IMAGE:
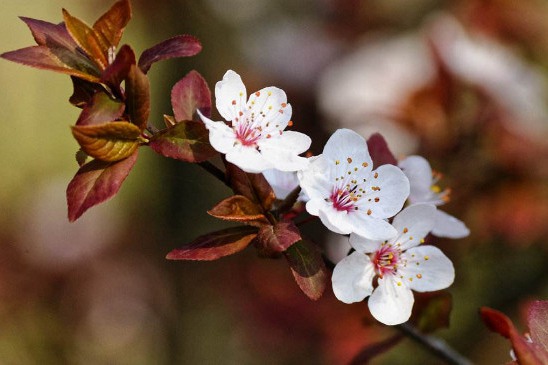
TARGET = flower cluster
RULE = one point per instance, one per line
(350, 193)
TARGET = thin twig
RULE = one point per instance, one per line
(434, 345)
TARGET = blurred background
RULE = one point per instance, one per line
(463, 83)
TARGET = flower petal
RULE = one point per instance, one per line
(418, 171)
(427, 269)
(313, 180)
(391, 303)
(370, 227)
(283, 150)
(334, 220)
(282, 182)
(347, 147)
(448, 226)
(248, 159)
(386, 193)
(221, 136)
(413, 224)
(353, 278)
(364, 245)
(270, 108)
(230, 95)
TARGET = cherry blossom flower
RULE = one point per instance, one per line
(399, 265)
(347, 194)
(424, 189)
(255, 140)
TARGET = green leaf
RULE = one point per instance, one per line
(187, 141)
(96, 182)
(278, 237)
(112, 141)
(189, 94)
(138, 97)
(215, 245)
(308, 268)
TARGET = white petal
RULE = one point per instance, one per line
(248, 159)
(345, 144)
(386, 193)
(221, 136)
(391, 303)
(362, 244)
(313, 179)
(336, 221)
(418, 171)
(427, 269)
(352, 278)
(413, 224)
(370, 227)
(337, 248)
(282, 182)
(448, 226)
(283, 150)
(270, 107)
(230, 95)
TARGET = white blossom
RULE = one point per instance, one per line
(347, 194)
(399, 266)
(424, 189)
(255, 139)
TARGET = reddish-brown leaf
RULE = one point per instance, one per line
(188, 94)
(83, 91)
(50, 35)
(187, 141)
(308, 268)
(498, 322)
(253, 186)
(87, 39)
(112, 141)
(238, 208)
(215, 245)
(43, 58)
(119, 69)
(379, 151)
(100, 109)
(179, 46)
(278, 237)
(110, 26)
(138, 97)
(96, 182)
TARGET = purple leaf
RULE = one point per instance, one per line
(253, 186)
(308, 268)
(215, 245)
(119, 69)
(238, 208)
(188, 94)
(42, 57)
(179, 46)
(96, 182)
(379, 151)
(138, 97)
(187, 141)
(50, 35)
(83, 91)
(278, 237)
(537, 318)
(101, 109)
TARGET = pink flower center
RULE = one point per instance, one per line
(343, 199)
(386, 260)
(247, 134)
